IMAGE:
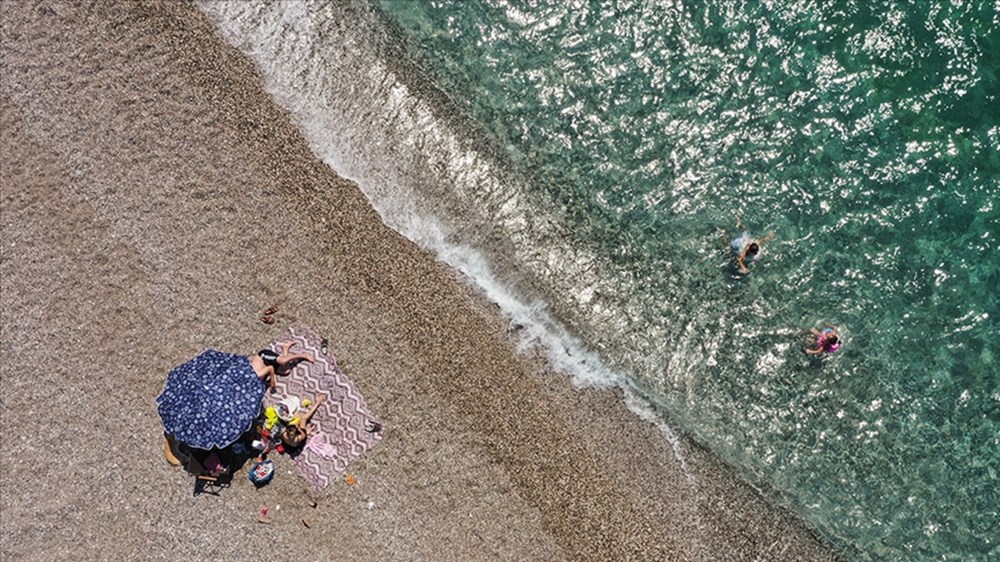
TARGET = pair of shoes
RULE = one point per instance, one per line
(169, 454)
(268, 315)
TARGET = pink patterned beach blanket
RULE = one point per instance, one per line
(346, 427)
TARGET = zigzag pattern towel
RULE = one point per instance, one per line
(341, 419)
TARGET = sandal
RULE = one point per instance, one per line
(324, 346)
(270, 311)
(267, 320)
(262, 515)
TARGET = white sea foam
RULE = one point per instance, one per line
(368, 125)
(326, 101)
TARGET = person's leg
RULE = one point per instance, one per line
(286, 358)
(169, 445)
(725, 236)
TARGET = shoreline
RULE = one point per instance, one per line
(155, 200)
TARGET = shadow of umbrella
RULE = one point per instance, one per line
(211, 400)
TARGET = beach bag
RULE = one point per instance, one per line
(261, 472)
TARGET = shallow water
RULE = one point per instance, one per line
(580, 159)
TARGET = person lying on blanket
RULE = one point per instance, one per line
(299, 428)
(266, 362)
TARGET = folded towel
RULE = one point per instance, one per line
(318, 445)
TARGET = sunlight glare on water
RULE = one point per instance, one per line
(587, 156)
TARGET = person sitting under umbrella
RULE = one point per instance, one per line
(208, 402)
(266, 362)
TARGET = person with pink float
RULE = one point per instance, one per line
(827, 340)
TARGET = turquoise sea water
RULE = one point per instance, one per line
(623, 135)
(865, 136)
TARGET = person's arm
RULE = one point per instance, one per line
(743, 267)
(304, 419)
(768, 236)
(816, 351)
(264, 372)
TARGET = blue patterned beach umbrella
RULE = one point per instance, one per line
(211, 400)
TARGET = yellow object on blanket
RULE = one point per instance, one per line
(270, 417)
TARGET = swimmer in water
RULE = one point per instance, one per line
(827, 340)
(747, 247)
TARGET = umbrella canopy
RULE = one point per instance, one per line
(209, 401)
